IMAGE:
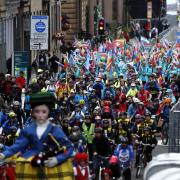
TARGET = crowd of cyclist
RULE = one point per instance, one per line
(108, 118)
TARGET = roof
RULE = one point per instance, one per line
(163, 167)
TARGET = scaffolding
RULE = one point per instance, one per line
(174, 128)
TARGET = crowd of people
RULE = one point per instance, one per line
(105, 100)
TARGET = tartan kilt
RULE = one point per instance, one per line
(25, 171)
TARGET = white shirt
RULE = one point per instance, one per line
(41, 128)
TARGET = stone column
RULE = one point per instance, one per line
(92, 4)
(107, 10)
(120, 11)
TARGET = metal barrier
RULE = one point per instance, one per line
(174, 128)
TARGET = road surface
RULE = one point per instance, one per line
(160, 149)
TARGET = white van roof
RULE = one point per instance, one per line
(163, 167)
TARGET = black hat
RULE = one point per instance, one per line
(41, 98)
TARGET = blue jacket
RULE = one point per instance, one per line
(3, 118)
(155, 86)
(78, 97)
(8, 125)
(27, 105)
(30, 145)
(125, 155)
(131, 110)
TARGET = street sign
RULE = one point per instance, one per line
(39, 33)
(149, 10)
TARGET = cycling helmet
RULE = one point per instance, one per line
(142, 118)
(141, 103)
(16, 103)
(12, 114)
(34, 80)
(75, 128)
(147, 128)
(74, 137)
(113, 160)
(87, 116)
(97, 118)
(147, 113)
(124, 140)
(138, 116)
(98, 130)
(47, 82)
(65, 121)
(167, 100)
(13, 129)
(133, 85)
(81, 102)
(169, 91)
(136, 100)
(105, 121)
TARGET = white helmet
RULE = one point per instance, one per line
(16, 103)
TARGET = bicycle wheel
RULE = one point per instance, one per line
(139, 167)
(164, 136)
(138, 171)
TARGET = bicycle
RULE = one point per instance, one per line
(142, 158)
(101, 165)
(122, 170)
(164, 133)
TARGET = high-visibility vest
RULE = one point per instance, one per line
(89, 134)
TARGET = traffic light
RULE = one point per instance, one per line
(101, 26)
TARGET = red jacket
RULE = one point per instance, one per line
(80, 175)
(143, 96)
(20, 82)
(141, 111)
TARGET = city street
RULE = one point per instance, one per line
(84, 81)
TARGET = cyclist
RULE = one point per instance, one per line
(139, 125)
(88, 128)
(66, 127)
(16, 107)
(77, 116)
(11, 122)
(12, 136)
(99, 151)
(149, 141)
(149, 122)
(125, 154)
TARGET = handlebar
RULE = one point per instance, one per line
(141, 143)
(102, 157)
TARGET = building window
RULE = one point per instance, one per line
(115, 9)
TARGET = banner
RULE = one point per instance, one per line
(20, 62)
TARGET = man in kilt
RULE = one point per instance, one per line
(45, 150)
